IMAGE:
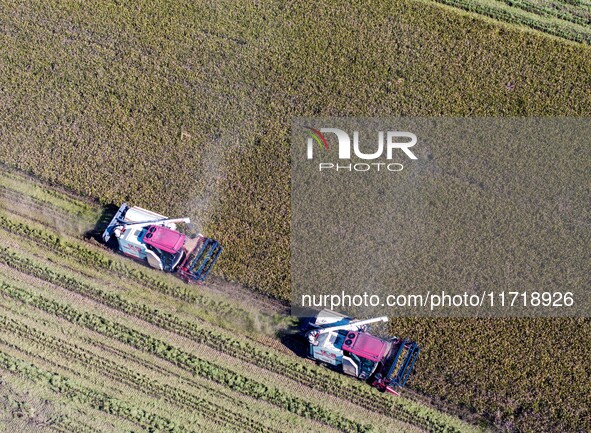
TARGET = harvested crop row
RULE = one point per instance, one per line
(49, 196)
(91, 397)
(24, 409)
(99, 260)
(141, 383)
(553, 11)
(66, 425)
(515, 18)
(185, 360)
(140, 362)
(230, 422)
(308, 375)
(117, 381)
(193, 384)
(36, 210)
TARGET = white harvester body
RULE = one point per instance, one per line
(346, 345)
(146, 235)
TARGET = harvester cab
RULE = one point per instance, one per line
(346, 345)
(147, 236)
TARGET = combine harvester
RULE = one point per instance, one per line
(346, 345)
(148, 236)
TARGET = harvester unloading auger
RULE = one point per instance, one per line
(146, 235)
(346, 345)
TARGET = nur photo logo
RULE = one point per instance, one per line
(390, 145)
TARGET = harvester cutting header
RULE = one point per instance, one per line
(147, 236)
(346, 345)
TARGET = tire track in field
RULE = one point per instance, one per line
(92, 398)
(33, 209)
(28, 410)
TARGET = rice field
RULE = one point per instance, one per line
(185, 108)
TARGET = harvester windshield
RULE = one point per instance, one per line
(366, 366)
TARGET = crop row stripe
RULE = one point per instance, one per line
(239, 349)
(132, 378)
(93, 398)
(186, 360)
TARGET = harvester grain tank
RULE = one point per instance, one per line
(346, 345)
(147, 236)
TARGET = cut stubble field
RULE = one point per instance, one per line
(84, 330)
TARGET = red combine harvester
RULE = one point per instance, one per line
(346, 345)
(147, 236)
